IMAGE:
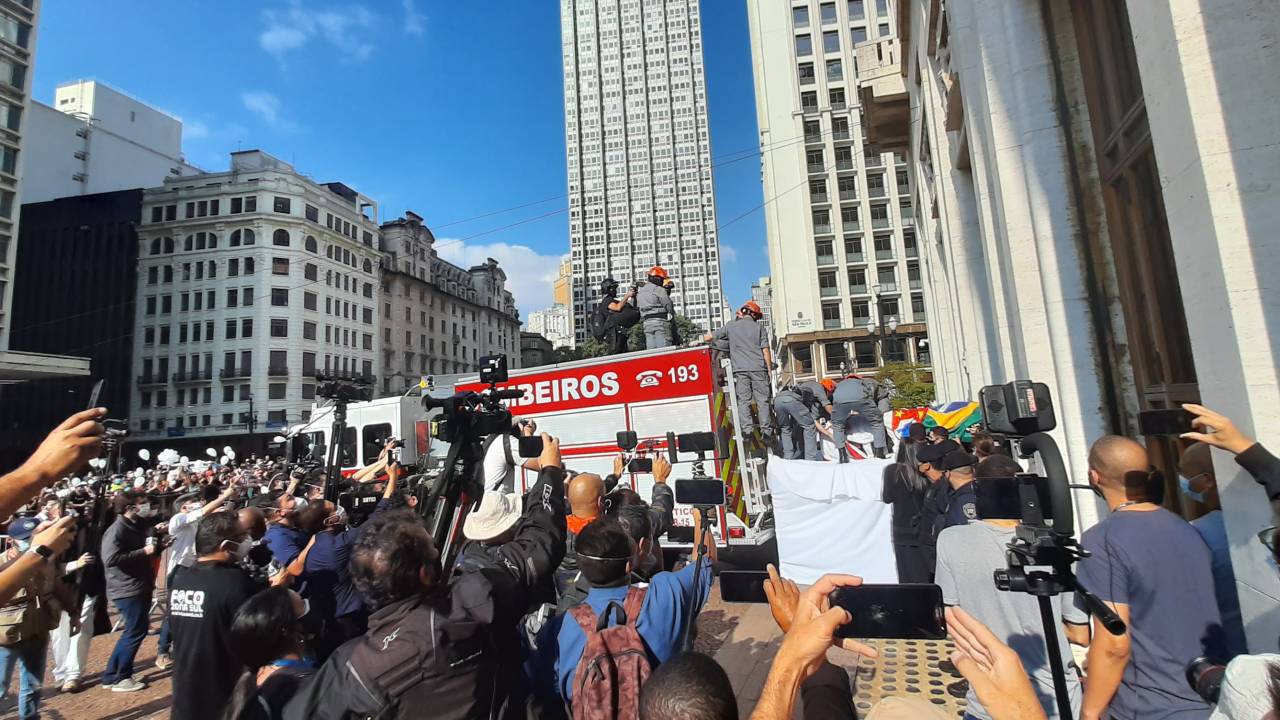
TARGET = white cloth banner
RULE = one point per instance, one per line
(830, 519)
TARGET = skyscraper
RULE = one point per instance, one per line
(638, 152)
(843, 259)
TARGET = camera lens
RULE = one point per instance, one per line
(1205, 677)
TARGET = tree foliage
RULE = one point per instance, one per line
(687, 329)
(913, 385)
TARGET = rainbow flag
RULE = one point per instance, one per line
(957, 417)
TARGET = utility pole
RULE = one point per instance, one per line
(253, 417)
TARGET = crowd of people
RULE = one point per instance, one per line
(559, 602)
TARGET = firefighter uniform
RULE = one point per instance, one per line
(792, 411)
(747, 340)
(656, 310)
(857, 396)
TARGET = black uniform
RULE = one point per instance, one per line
(455, 653)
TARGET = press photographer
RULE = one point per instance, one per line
(613, 317)
(444, 641)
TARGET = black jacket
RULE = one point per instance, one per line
(1263, 466)
(449, 655)
(128, 566)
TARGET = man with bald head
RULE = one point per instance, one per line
(585, 494)
(1154, 570)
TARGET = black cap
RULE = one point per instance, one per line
(958, 459)
(915, 431)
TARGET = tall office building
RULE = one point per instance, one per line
(843, 261)
(18, 32)
(639, 154)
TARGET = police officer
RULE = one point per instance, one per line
(791, 411)
(656, 310)
(750, 358)
(858, 396)
(611, 313)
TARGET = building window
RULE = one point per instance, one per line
(917, 307)
(308, 331)
(861, 313)
(804, 46)
(277, 391)
(800, 17)
(280, 237)
(835, 73)
(312, 213)
(858, 35)
(835, 356)
(246, 328)
(311, 245)
(809, 103)
(831, 42)
(309, 300)
(310, 272)
(281, 205)
(279, 327)
(280, 297)
(806, 74)
(248, 266)
(828, 285)
(279, 266)
(246, 296)
(864, 353)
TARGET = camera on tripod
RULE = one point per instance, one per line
(475, 415)
(347, 388)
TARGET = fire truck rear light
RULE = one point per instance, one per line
(737, 533)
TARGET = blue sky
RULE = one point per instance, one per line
(452, 110)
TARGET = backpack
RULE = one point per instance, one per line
(628, 316)
(614, 664)
(598, 323)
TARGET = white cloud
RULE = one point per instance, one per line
(345, 29)
(728, 253)
(263, 104)
(194, 130)
(529, 274)
(414, 21)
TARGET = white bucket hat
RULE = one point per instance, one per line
(497, 513)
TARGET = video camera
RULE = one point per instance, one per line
(466, 419)
(1044, 537)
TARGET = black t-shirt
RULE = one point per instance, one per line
(202, 601)
(274, 692)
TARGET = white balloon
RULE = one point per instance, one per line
(145, 454)
(211, 452)
(184, 460)
(278, 439)
(222, 460)
(230, 453)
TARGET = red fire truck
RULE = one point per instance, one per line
(585, 404)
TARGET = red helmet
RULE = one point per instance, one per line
(658, 271)
(751, 307)
(829, 384)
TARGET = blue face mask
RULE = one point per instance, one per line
(1184, 483)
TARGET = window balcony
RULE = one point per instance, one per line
(912, 252)
(857, 290)
(904, 190)
(813, 137)
(230, 373)
(880, 223)
(817, 168)
(153, 379)
(826, 259)
(873, 160)
(855, 257)
(839, 105)
(889, 287)
(839, 135)
(830, 323)
(861, 321)
(278, 371)
(884, 254)
(846, 164)
(819, 198)
(876, 192)
(915, 284)
(809, 108)
(829, 291)
(848, 195)
(193, 375)
(908, 221)
(822, 229)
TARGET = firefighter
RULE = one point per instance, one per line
(859, 396)
(656, 310)
(751, 361)
(670, 286)
(792, 413)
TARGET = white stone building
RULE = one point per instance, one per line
(249, 282)
(438, 318)
(639, 153)
(843, 257)
(555, 324)
(1097, 186)
(762, 294)
(96, 139)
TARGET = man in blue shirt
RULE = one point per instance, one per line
(606, 556)
(1155, 571)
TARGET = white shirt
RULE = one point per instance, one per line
(498, 473)
(182, 528)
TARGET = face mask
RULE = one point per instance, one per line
(145, 510)
(1184, 483)
(240, 549)
(299, 503)
(306, 608)
(23, 545)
